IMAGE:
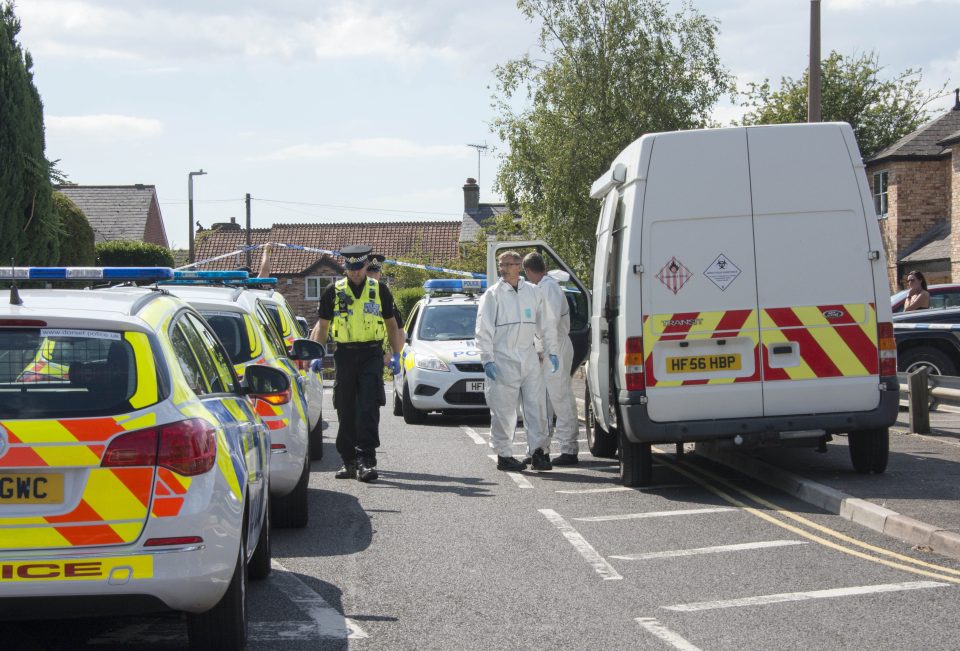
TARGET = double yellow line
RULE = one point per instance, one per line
(724, 489)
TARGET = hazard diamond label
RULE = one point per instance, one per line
(674, 275)
(722, 272)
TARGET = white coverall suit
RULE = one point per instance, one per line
(559, 384)
(508, 322)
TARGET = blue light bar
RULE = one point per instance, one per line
(210, 275)
(455, 286)
(239, 282)
(116, 274)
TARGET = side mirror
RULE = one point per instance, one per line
(260, 381)
(305, 349)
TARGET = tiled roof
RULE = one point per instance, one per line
(437, 241)
(925, 142)
(474, 220)
(116, 212)
(932, 245)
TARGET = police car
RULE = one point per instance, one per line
(133, 467)
(243, 324)
(440, 363)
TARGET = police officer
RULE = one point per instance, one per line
(354, 307)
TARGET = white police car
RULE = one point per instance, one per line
(440, 363)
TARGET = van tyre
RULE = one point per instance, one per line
(292, 511)
(411, 415)
(225, 625)
(636, 462)
(260, 563)
(602, 444)
(869, 450)
(934, 360)
(397, 404)
(316, 441)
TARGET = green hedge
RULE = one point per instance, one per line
(130, 253)
(406, 299)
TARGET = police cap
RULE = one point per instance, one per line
(376, 262)
(355, 256)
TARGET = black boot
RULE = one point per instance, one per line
(566, 460)
(367, 470)
(541, 461)
(509, 463)
(347, 471)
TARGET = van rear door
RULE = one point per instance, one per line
(698, 287)
(815, 281)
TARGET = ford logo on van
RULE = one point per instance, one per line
(833, 314)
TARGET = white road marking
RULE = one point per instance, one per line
(654, 514)
(804, 596)
(665, 634)
(329, 622)
(472, 433)
(617, 489)
(599, 564)
(520, 480)
(719, 549)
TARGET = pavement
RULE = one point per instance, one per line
(917, 499)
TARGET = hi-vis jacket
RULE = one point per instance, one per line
(355, 319)
(509, 320)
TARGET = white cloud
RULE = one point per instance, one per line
(368, 148)
(103, 126)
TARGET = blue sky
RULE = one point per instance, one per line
(341, 111)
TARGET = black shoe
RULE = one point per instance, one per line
(509, 463)
(347, 471)
(566, 460)
(527, 460)
(367, 471)
(541, 461)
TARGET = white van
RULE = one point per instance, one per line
(739, 292)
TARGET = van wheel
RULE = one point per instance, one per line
(411, 415)
(259, 565)
(602, 444)
(225, 625)
(397, 404)
(636, 462)
(869, 450)
(291, 511)
(316, 441)
(935, 361)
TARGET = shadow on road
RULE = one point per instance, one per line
(462, 486)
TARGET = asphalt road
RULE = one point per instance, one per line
(445, 552)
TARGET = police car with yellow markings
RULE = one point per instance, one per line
(241, 320)
(440, 363)
(137, 478)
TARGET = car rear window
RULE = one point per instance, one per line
(447, 322)
(232, 332)
(59, 372)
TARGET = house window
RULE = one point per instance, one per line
(880, 193)
(315, 285)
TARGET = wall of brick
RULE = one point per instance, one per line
(153, 232)
(955, 214)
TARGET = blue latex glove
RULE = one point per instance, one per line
(554, 364)
(490, 369)
(316, 365)
(395, 364)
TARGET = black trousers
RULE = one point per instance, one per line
(357, 396)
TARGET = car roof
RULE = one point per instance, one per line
(450, 299)
(108, 306)
(919, 316)
(234, 298)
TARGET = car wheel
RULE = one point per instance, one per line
(636, 462)
(291, 511)
(259, 566)
(869, 450)
(411, 415)
(934, 360)
(316, 441)
(397, 404)
(225, 625)
(601, 443)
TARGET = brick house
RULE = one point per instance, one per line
(916, 190)
(301, 275)
(120, 212)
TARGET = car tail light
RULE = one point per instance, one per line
(187, 447)
(181, 540)
(633, 364)
(281, 398)
(887, 346)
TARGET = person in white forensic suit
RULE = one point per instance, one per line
(559, 386)
(511, 315)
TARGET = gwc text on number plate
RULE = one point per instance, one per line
(695, 363)
(31, 488)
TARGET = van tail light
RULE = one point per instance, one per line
(187, 447)
(302, 364)
(633, 364)
(281, 398)
(887, 346)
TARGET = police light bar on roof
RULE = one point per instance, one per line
(454, 286)
(116, 274)
(210, 275)
(232, 282)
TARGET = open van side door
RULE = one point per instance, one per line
(576, 292)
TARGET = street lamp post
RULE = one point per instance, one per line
(190, 209)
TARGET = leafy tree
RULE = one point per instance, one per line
(880, 109)
(130, 253)
(407, 298)
(611, 71)
(29, 226)
(77, 240)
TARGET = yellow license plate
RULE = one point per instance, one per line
(31, 488)
(703, 363)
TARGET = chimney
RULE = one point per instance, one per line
(471, 196)
(956, 99)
